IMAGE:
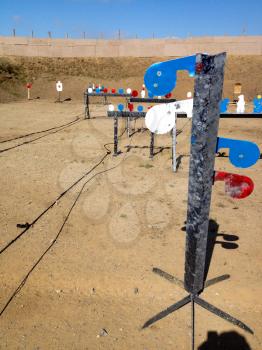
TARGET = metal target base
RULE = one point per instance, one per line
(194, 298)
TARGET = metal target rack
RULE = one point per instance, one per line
(128, 99)
(135, 115)
(87, 96)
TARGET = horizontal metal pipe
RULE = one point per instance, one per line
(125, 114)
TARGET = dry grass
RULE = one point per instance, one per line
(76, 73)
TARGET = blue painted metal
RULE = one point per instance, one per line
(121, 91)
(160, 78)
(223, 105)
(242, 154)
(257, 105)
(140, 108)
(97, 90)
(150, 94)
(120, 107)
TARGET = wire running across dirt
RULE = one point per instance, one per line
(23, 282)
(49, 132)
(28, 226)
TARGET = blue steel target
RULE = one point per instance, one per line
(257, 105)
(160, 78)
(223, 105)
(120, 107)
(242, 154)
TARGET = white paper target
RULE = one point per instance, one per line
(128, 91)
(90, 90)
(59, 86)
(111, 108)
(160, 119)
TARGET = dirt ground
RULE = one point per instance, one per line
(95, 288)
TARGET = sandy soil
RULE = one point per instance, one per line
(98, 275)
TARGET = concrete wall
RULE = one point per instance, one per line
(22, 46)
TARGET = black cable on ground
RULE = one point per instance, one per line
(18, 289)
(40, 131)
(27, 225)
(40, 137)
(23, 282)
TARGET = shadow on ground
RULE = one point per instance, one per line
(224, 341)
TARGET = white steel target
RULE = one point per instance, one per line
(161, 118)
(59, 86)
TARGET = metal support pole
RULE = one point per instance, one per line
(87, 111)
(152, 141)
(128, 126)
(115, 136)
(193, 321)
(174, 147)
(208, 93)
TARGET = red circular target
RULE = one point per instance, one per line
(105, 90)
(134, 93)
(130, 107)
(29, 85)
(113, 91)
(168, 95)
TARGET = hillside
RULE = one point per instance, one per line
(76, 73)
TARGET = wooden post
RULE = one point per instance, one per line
(49, 35)
(208, 93)
(14, 33)
(32, 33)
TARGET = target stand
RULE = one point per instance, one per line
(209, 76)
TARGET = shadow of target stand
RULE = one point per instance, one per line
(209, 75)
